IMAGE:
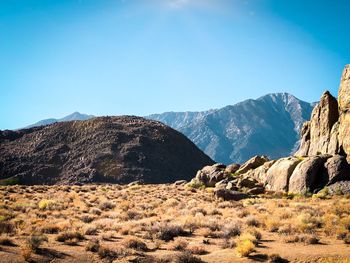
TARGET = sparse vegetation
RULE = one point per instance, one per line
(117, 222)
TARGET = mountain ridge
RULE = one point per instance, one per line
(269, 125)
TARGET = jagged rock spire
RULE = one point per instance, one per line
(344, 112)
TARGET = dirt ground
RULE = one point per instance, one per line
(168, 223)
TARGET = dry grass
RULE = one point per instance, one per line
(115, 222)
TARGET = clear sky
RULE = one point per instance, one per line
(113, 57)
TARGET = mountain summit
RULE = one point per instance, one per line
(269, 126)
(75, 116)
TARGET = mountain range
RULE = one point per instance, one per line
(269, 125)
(75, 116)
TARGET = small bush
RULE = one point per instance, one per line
(253, 221)
(245, 247)
(107, 253)
(70, 237)
(135, 243)
(167, 232)
(50, 229)
(6, 228)
(34, 242)
(93, 245)
(187, 257)
(231, 230)
(347, 239)
(5, 241)
(197, 250)
(95, 211)
(48, 205)
(275, 258)
(179, 244)
(108, 205)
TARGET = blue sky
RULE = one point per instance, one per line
(113, 57)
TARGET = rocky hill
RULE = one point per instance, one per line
(105, 149)
(322, 161)
(268, 126)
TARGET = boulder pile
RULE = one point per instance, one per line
(321, 161)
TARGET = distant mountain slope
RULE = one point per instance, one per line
(75, 116)
(268, 126)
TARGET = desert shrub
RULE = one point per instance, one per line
(93, 245)
(255, 233)
(245, 247)
(197, 250)
(70, 237)
(308, 222)
(46, 204)
(6, 227)
(50, 229)
(167, 231)
(186, 257)
(272, 225)
(345, 223)
(253, 221)
(275, 258)
(5, 241)
(179, 244)
(87, 219)
(228, 243)
(107, 253)
(231, 230)
(108, 205)
(346, 239)
(35, 241)
(306, 239)
(135, 243)
(249, 236)
(90, 230)
(95, 211)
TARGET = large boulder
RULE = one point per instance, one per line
(342, 187)
(210, 175)
(260, 173)
(337, 169)
(232, 168)
(324, 116)
(307, 174)
(229, 195)
(278, 175)
(252, 163)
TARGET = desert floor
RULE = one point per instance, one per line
(168, 223)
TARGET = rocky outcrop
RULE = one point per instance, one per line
(229, 195)
(232, 168)
(344, 110)
(252, 163)
(342, 187)
(210, 175)
(260, 173)
(278, 175)
(305, 175)
(337, 169)
(316, 134)
(106, 149)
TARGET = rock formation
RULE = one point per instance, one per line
(106, 149)
(321, 161)
(344, 111)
